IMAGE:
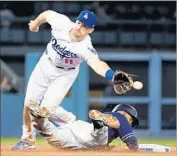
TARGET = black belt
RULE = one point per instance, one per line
(70, 68)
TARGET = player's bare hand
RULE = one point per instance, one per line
(33, 26)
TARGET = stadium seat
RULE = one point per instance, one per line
(97, 37)
(157, 38)
(110, 37)
(17, 35)
(46, 36)
(170, 38)
(73, 8)
(40, 7)
(126, 38)
(34, 37)
(140, 38)
(59, 7)
(4, 35)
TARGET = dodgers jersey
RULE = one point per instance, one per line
(61, 49)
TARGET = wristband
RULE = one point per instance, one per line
(109, 74)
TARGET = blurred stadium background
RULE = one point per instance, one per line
(136, 37)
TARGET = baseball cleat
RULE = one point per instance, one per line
(107, 119)
(23, 145)
(36, 111)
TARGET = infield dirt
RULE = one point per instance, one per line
(47, 150)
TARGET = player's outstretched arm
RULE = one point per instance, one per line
(100, 67)
(132, 143)
(41, 19)
(122, 82)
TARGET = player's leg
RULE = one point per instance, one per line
(102, 119)
(47, 129)
(55, 95)
(62, 117)
(36, 88)
(68, 136)
(59, 137)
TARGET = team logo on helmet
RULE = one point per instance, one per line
(86, 16)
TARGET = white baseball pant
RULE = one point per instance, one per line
(48, 86)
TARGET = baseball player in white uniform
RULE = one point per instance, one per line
(58, 67)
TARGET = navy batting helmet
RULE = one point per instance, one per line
(130, 110)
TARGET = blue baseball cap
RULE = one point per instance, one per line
(88, 18)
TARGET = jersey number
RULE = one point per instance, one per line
(68, 61)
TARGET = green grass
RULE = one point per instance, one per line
(161, 141)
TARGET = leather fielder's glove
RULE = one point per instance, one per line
(122, 82)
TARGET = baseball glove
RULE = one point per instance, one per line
(122, 82)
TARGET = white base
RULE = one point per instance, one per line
(153, 148)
